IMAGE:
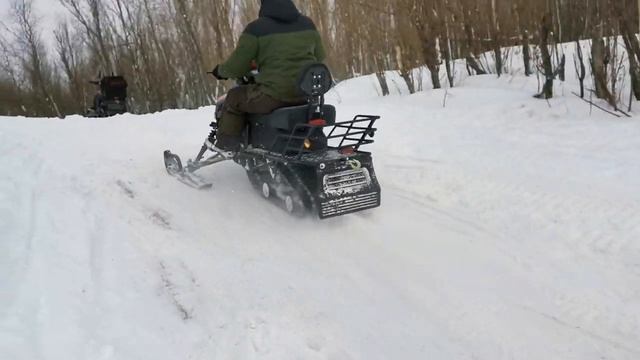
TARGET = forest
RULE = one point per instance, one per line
(165, 47)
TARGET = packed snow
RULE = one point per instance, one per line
(509, 229)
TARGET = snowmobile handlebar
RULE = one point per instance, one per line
(245, 80)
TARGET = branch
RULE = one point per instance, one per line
(596, 105)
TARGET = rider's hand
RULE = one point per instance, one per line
(216, 73)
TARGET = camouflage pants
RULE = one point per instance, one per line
(240, 101)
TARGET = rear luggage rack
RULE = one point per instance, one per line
(355, 132)
(346, 134)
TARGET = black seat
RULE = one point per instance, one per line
(271, 131)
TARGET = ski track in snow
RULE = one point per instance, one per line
(509, 230)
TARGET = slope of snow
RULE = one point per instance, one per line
(510, 229)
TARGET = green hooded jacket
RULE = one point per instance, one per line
(282, 42)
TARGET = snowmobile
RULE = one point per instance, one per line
(299, 156)
(112, 99)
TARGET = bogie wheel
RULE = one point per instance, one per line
(266, 190)
(295, 200)
(298, 195)
(254, 179)
(288, 204)
(293, 205)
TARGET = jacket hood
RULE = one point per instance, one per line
(279, 10)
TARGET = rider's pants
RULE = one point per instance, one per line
(240, 101)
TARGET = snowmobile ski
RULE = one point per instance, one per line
(174, 167)
(193, 181)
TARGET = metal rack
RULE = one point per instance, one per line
(347, 134)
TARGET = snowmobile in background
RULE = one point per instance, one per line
(112, 98)
(299, 156)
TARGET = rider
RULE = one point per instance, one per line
(281, 42)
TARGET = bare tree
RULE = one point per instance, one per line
(32, 54)
(547, 66)
(519, 10)
(90, 16)
(581, 70)
(600, 57)
(70, 59)
(631, 44)
(426, 24)
(164, 47)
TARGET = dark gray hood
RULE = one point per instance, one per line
(279, 10)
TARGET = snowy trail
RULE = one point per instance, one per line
(509, 230)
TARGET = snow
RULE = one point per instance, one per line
(510, 229)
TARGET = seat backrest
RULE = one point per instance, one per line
(114, 87)
(315, 80)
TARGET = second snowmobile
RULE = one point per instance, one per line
(112, 98)
(299, 156)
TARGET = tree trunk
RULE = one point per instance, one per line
(445, 46)
(99, 33)
(634, 68)
(382, 79)
(497, 43)
(632, 46)
(471, 59)
(428, 43)
(545, 30)
(599, 66)
(634, 71)
(581, 71)
(408, 79)
(447, 62)
(524, 36)
(68, 59)
(435, 76)
(526, 53)
(162, 54)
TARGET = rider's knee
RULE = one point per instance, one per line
(234, 99)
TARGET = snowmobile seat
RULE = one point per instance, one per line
(271, 131)
(288, 117)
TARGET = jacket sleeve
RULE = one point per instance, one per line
(319, 51)
(239, 63)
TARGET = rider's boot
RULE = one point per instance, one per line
(227, 145)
